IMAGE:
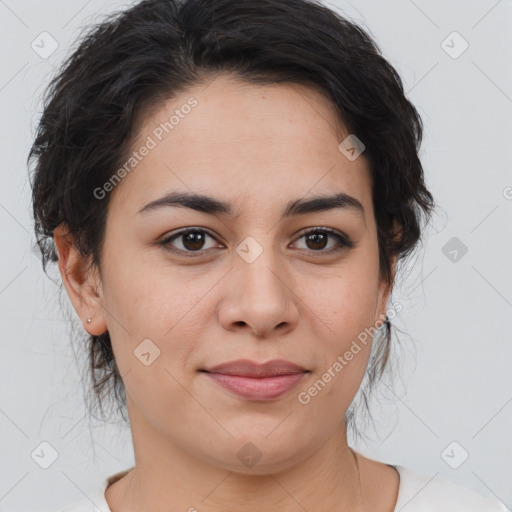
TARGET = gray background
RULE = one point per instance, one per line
(454, 381)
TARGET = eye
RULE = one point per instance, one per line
(318, 239)
(191, 240)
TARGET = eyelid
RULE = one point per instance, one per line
(344, 241)
(167, 239)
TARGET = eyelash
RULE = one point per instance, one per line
(343, 242)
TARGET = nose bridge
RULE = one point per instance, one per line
(261, 296)
(259, 268)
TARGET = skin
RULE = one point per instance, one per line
(256, 147)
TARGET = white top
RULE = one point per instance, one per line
(416, 493)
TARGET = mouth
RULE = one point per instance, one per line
(256, 381)
(248, 368)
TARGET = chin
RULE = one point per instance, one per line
(260, 455)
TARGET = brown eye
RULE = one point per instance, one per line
(189, 241)
(193, 240)
(318, 239)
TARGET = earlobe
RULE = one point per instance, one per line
(380, 313)
(384, 295)
(81, 281)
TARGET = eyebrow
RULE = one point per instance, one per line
(213, 206)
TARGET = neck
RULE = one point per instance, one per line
(169, 478)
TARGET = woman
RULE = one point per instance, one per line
(227, 188)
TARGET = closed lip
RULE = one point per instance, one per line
(248, 368)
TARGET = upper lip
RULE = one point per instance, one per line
(248, 368)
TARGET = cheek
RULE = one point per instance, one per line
(149, 308)
(346, 299)
(342, 308)
(164, 305)
(343, 315)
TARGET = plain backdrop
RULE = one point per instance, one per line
(453, 397)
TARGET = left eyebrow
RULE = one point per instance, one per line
(213, 206)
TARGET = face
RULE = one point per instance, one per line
(260, 271)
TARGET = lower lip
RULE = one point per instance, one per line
(252, 388)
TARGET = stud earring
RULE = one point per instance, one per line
(89, 320)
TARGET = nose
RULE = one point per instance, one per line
(260, 298)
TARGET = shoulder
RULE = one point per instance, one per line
(93, 503)
(422, 493)
(96, 502)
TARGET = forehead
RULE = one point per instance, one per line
(238, 140)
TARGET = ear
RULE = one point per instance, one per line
(384, 294)
(82, 282)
